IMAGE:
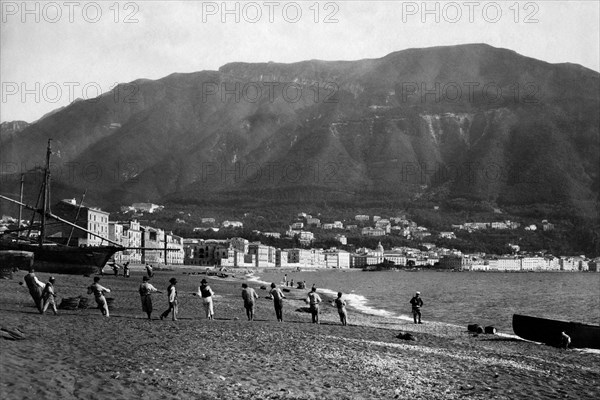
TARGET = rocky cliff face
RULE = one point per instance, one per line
(9, 128)
(464, 121)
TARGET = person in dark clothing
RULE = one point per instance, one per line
(35, 287)
(126, 270)
(416, 303)
(146, 289)
(249, 294)
(277, 296)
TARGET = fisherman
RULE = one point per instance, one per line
(565, 340)
(35, 287)
(48, 296)
(341, 307)
(146, 289)
(206, 293)
(98, 291)
(277, 296)
(249, 294)
(172, 296)
(314, 299)
(416, 303)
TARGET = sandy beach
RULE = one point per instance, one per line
(79, 354)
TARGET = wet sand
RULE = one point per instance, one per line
(80, 354)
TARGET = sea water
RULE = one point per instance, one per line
(461, 298)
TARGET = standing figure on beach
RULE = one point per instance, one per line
(565, 340)
(35, 287)
(98, 291)
(314, 299)
(249, 294)
(115, 268)
(207, 298)
(149, 271)
(277, 296)
(126, 270)
(146, 289)
(416, 303)
(341, 307)
(48, 296)
(172, 296)
(285, 281)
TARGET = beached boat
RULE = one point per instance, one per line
(54, 257)
(549, 331)
(61, 259)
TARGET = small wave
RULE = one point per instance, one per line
(256, 279)
(359, 303)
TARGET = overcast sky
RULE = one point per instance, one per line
(51, 51)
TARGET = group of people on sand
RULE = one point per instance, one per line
(115, 267)
(146, 291)
(43, 296)
(276, 294)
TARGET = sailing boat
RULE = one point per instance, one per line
(53, 257)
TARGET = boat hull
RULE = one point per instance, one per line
(65, 259)
(549, 331)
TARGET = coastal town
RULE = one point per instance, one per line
(156, 246)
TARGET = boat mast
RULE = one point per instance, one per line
(76, 217)
(21, 200)
(45, 199)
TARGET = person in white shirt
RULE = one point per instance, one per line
(314, 299)
(206, 293)
(172, 294)
(48, 296)
(98, 291)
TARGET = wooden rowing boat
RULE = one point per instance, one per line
(549, 331)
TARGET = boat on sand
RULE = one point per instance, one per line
(549, 331)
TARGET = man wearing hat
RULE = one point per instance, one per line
(48, 296)
(172, 295)
(146, 290)
(416, 303)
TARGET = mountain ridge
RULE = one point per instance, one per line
(198, 135)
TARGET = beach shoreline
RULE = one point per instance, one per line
(80, 354)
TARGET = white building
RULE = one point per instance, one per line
(232, 224)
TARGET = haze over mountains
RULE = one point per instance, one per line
(418, 122)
